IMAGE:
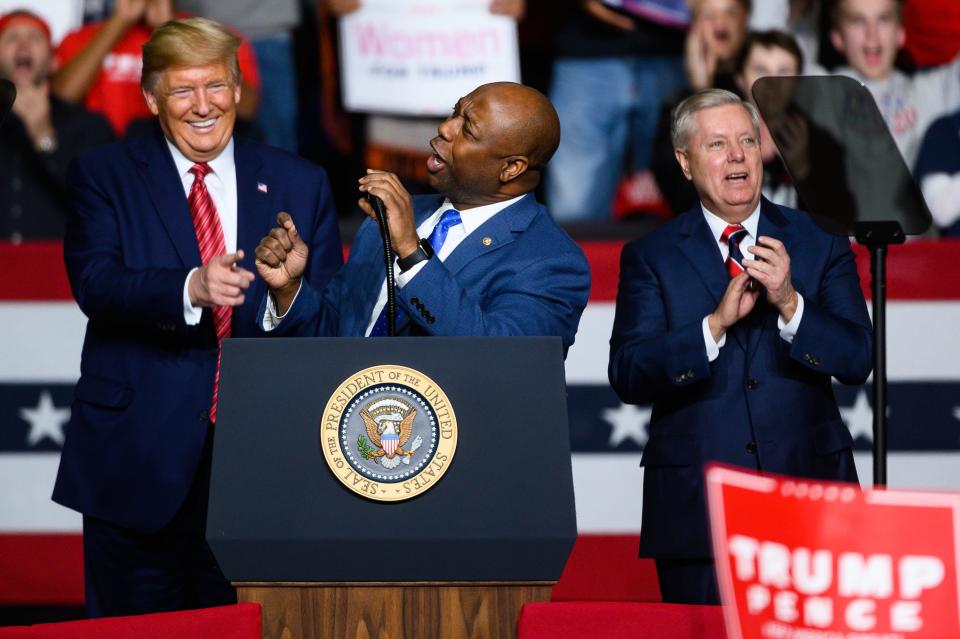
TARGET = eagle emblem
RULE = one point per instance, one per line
(389, 424)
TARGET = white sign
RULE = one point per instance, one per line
(419, 58)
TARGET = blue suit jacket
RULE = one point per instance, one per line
(763, 403)
(517, 274)
(139, 416)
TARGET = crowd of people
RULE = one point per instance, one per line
(613, 74)
(184, 235)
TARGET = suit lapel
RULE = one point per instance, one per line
(159, 174)
(424, 207)
(772, 224)
(253, 214)
(702, 250)
(493, 234)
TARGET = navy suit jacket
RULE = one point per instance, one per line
(139, 416)
(763, 403)
(517, 274)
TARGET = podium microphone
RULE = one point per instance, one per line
(388, 259)
(8, 93)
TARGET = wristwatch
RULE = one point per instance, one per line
(423, 253)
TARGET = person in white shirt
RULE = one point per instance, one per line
(870, 34)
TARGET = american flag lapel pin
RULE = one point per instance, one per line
(261, 187)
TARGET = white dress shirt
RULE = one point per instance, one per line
(470, 221)
(221, 184)
(717, 225)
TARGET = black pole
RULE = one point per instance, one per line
(388, 259)
(878, 271)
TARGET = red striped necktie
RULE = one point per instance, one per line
(206, 224)
(733, 235)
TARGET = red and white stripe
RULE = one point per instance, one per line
(209, 232)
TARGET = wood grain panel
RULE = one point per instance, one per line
(391, 610)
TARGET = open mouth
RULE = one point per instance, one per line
(872, 55)
(23, 62)
(204, 124)
(435, 162)
(737, 178)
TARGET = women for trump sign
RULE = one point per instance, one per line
(419, 58)
(799, 559)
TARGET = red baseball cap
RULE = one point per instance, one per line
(21, 16)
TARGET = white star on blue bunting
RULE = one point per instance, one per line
(46, 420)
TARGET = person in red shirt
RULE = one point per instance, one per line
(933, 31)
(99, 64)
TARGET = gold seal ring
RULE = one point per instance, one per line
(388, 433)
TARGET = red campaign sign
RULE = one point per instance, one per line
(801, 559)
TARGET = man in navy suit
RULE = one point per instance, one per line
(483, 258)
(736, 355)
(153, 250)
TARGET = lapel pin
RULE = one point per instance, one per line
(261, 187)
(487, 241)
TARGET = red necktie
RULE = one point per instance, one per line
(733, 235)
(206, 224)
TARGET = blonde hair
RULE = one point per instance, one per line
(185, 43)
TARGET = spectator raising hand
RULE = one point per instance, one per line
(714, 40)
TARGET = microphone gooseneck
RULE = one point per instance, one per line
(388, 259)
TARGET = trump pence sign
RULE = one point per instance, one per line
(799, 559)
(419, 58)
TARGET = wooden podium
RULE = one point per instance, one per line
(459, 559)
(396, 610)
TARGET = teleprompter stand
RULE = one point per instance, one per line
(458, 560)
(852, 179)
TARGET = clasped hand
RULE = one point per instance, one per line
(771, 270)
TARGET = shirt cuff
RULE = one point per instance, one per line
(191, 314)
(788, 330)
(713, 348)
(271, 319)
(403, 278)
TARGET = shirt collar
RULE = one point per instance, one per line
(717, 225)
(474, 217)
(218, 165)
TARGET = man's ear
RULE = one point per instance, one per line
(151, 101)
(837, 41)
(684, 161)
(513, 167)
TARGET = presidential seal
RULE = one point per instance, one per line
(388, 433)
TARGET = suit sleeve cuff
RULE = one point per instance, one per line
(788, 330)
(403, 278)
(191, 313)
(713, 348)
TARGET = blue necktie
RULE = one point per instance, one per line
(449, 219)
